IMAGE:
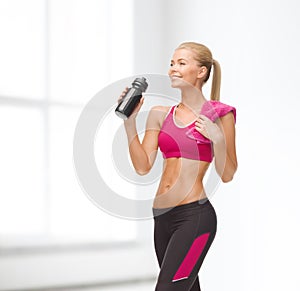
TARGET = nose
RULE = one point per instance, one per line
(172, 69)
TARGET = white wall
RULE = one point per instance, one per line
(149, 42)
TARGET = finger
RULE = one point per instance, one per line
(138, 107)
(197, 128)
(201, 128)
(200, 122)
(203, 117)
(123, 94)
(125, 91)
(140, 103)
(119, 99)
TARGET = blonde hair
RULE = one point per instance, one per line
(204, 57)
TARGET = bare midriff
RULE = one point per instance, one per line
(181, 182)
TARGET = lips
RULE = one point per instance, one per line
(176, 81)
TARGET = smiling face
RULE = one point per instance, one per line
(185, 70)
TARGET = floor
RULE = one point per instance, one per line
(133, 286)
(147, 286)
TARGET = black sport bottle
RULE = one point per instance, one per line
(132, 98)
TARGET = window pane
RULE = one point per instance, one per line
(22, 172)
(22, 58)
(121, 39)
(78, 49)
(67, 51)
(91, 46)
(74, 216)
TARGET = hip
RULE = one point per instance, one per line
(186, 210)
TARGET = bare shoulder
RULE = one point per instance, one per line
(160, 108)
(227, 122)
(228, 117)
(158, 114)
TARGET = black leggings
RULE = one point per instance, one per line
(182, 238)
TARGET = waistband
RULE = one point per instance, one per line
(200, 204)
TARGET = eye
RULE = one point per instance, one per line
(182, 63)
(171, 65)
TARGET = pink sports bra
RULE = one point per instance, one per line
(177, 141)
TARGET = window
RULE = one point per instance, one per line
(56, 55)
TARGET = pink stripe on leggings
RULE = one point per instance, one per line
(191, 258)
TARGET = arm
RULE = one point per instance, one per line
(222, 135)
(224, 148)
(143, 154)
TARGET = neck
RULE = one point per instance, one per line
(192, 98)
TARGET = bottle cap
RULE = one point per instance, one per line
(141, 82)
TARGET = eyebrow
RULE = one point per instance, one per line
(181, 59)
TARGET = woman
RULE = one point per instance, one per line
(189, 134)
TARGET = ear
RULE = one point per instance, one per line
(202, 72)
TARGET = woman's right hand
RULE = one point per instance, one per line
(137, 108)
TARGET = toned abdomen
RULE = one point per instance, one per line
(181, 182)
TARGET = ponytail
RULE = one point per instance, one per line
(216, 81)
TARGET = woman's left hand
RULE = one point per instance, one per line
(208, 128)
